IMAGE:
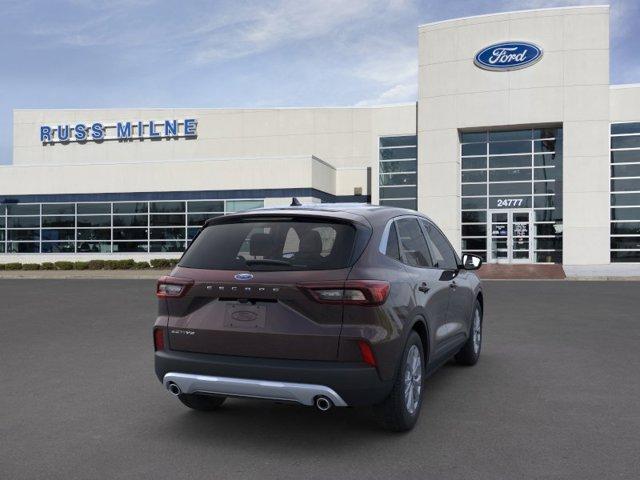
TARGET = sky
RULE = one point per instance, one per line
(219, 53)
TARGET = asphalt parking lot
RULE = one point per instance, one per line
(556, 394)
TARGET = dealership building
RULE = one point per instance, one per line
(517, 146)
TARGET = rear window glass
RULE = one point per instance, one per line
(272, 245)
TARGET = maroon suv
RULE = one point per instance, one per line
(325, 305)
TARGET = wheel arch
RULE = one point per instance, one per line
(421, 327)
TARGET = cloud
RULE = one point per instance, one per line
(397, 94)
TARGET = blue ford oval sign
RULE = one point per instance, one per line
(508, 56)
(243, 276)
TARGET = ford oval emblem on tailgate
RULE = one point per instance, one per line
(243, 276)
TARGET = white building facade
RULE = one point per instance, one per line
(517, 146)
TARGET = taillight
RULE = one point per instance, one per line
(172, 287)
(367, 353)
(352, 292)
(158, 339)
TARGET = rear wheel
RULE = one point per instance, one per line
(470, 351)
(400, 410)
(203, 403)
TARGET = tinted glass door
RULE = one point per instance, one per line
(510, 236)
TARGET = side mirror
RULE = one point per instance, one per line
(471, 262)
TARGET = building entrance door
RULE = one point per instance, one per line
(510, 236)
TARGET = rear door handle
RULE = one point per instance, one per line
(423, 287)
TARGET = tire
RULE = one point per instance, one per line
(203, 403)
(470, 351)
(399, 412)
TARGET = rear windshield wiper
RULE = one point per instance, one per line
(268, 261)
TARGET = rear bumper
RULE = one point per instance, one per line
(356, 384)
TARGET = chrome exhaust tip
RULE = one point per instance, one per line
(323, 403)
(174, 388)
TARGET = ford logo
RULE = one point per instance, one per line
(508, 56)
(243, 276)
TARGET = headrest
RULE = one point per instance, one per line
(311, 242)
(260, 245)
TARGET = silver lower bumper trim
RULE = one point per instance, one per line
(240, 387)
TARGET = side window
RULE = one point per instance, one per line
(443, 255)
(393, 249)
(413, 247)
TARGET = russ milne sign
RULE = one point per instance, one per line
(508, 56)
(97, 132)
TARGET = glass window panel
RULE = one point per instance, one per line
(130, 207)
(549, 257)
(474, 176)
(632, 141)
(509, 147)
(167, 220)
(623, 199)
(547, 229)
(626, 242)
(58, 234)
(474, 189)
(474, 230)
(546, 133)
(23, 234)
(629, 184)
(474, 163)
(510, 161)
(94, 234)
(129, 247)
(94, 247)
(167, 233)
(395, 153)
(544, 187)
(625, 213)
(398, 166)
(23, 222)
(625, 156)
(167, 207)
(521, 201)
(60, 221)
(442, 254)
(510, 135)
(480, 216)
(626, 228)
(411, 204)
(399, 179)
(510, 175)
(242, 205)
(413, 246)
(546, 159)
(397, 192)
(548, 243)
(2, 238)
(474, 149)
(544, 201)
(466, 137)
(544, 146)
(94, 221)
(130, 220)
(199, 218)
(398, 141)
(130, 233)
(625, 170)
(545, 215)
(22, 209)
(206, 206)
(3, 209)
(167, 246)
(23, 247)
(58, 247)
(625, 256)
(474, 243)
(544, 173)
(58, 209)
(2, 222)
(509, 188)
(625, 127)
(94, 208)
(474, 203)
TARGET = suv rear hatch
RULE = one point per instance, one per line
(248, 286)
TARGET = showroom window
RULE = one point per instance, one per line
(109, 227)
(398, 176)
(625, 192)
(511, 189)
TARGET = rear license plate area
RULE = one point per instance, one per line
(245, 316)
